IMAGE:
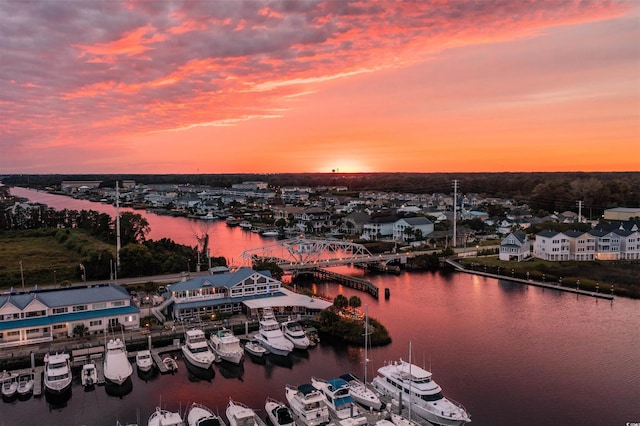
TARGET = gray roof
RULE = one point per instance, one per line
(67, 296)
(218, 280)
(417, 221)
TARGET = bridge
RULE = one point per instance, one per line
(298, 254)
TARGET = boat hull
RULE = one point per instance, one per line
(200, 362)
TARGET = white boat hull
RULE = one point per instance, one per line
(197, 361)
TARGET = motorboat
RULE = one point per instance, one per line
(25, 384)
(362, 394)
(245, 224)
(199, 415)
(308, 404)
(239, 414)
(232, 221)
(196, 350)
(144, 361)
(425, 396)
(278, 412)
(117, 368)
(9, 387)
(400, 420)
(89, 375)
(339, 401)
(170, 364)
(270, 336)
(256, 349)
(162, 417)
(312, 335)
(226, 346)
(57, 373)
(270, 233)
(293, 331)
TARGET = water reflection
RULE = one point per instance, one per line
(57, 401)
(197, 374)
(119, 391)
(231, 371)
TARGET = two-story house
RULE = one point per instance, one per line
(515, 246)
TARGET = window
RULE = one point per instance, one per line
(95, 323)
(99, 305)
(60, 310)
(33, 331)
(79, 308)
(118, 303)
(59, 326)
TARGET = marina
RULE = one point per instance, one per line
(522, 337)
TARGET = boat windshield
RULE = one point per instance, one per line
(432, 397)
(58, 365)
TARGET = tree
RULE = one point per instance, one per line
(80, 330)
(340, 302)
(135, 260)
(133, 228)
(354, 302)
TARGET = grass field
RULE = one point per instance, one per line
(42, 254)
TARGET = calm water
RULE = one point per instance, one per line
(513, 355)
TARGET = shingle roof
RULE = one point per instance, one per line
(68, 296)
(217, 280)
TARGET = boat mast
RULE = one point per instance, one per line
(410, 397)
(366, 342)
(117, 230)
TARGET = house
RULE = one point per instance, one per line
(551, 245)
(582, 245)
(234, 292)
(515, 246)
(378, 228)
(410, 228)
(39, 316)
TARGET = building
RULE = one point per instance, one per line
(410, 228)
(622, 213)
(515, 246)
(239, 291)
(42, 315)
(597, 244)
(551, 245)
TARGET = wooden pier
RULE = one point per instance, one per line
(352, 282)
(155, 354)
(36, 372)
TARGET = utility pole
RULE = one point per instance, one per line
(117, 231)
(22, 275)
(455, 208)
(580, 211)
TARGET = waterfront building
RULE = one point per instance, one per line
(596, 244)
(515, 246)
(39, 316)
(241, 291)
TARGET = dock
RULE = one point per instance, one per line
(155, 354)
(83, 356)
(352, 282)
(36, 372)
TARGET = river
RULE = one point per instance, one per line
(512, 354)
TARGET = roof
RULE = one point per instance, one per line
(287, 298)
(68, 296)
(217, 280)
(417, 221)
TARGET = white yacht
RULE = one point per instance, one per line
(239, 414)
(293, 331)
(117, 368)
(226, 346)
(57, 372)
(270, 336)
(426, 396)
(339, 401)
(199, 415)
(196, 350)
(278, 412)
(25, 383)
(9, 387)
(308, 404)
(144, 361)
(255, 349)
(362, 394)
(162, 417)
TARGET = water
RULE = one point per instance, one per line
(512, 354)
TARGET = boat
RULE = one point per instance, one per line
(144, 361)
(278, 412)
(239, 414)
(361, 393)
(199, 415)
(270, 233)
(196, 350)
(426, 398)
(308, 404)
(336, 391)
(245, 224)
(117, 368)
(57, 373)
(226, 346)
(357, 389)
(312, 334)
(89, 375)
(9, 387)
(233, 221)
(170, 364)
(400, 420)
(293, 331)
(162, 417)
(254, 348)
(270, 336)
(208, 216)
(25, 384)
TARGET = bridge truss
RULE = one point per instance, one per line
(301, 253)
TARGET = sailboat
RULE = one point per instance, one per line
(358, 390)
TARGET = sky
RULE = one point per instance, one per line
(232, 86)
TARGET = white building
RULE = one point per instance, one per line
(515, 246)
(41, 315)
(551, 245)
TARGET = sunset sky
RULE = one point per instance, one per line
(229, 86)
